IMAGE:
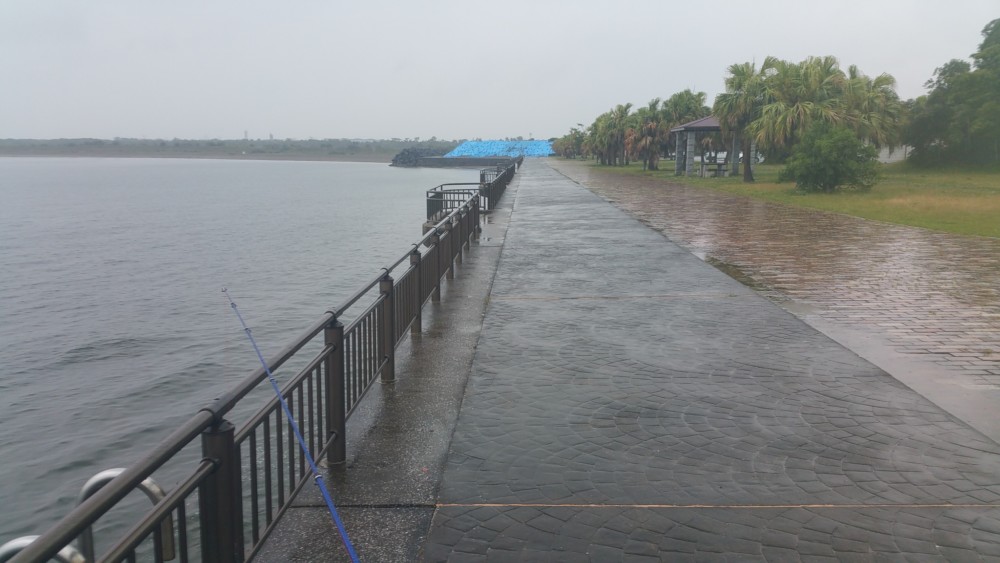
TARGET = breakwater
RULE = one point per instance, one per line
(462, 162)
(474, 154)
(507, 148)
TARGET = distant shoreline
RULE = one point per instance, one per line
(318, 150)
(369, 158)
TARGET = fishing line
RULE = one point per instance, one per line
(317, 478)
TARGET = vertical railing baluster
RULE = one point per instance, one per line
(302, 422)
(359, 357)
(456, 244)
(157, 546)
(293, 449)
(373, 349)
(353, 370)
(182, 533)
(254, 489)
(322, 422)
(314, 375)
(279, 458)
(268, 474)
(461, 237)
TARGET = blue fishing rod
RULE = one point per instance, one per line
(317, 478)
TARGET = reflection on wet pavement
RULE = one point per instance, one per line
(932, 295)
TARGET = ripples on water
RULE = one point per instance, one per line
(114, 327)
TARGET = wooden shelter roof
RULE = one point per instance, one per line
(709, 123)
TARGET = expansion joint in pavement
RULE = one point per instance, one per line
(715, 506)
(390, 505)
(618, 297)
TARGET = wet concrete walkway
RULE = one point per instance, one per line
(628, 401)
(922, 305)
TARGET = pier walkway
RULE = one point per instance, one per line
(627, 401)
(922, 305)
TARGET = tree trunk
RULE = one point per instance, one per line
(747, 172)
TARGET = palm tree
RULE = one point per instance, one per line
(685, 106)
(874, 109)
(817, 91)
(740, 105)
(649, 134)
(599, 138)
(798, 95)
(618, 124)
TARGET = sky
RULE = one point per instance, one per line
(319, 69)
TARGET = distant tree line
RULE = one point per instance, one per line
(250, 148)
(619, 136)
(771, 108)
(958, 121)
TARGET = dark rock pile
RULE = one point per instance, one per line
(410, 157)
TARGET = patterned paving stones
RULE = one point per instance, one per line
(630, 402)
(924, 293)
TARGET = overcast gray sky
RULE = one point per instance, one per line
(451, 69)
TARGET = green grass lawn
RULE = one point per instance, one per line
(956, 200)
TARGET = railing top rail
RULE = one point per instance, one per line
(439, 188)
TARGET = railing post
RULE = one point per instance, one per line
(435, 203)
(449, 273)
(219, 499)
(477, 229)
(460, 223)
(336, 416)
(435, 241)
(388, 329)
(470, 225)
(417, 324)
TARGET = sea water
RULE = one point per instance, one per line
(113, 328)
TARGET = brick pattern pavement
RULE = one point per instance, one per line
(613, 533)
(630, 402)
(931, 294)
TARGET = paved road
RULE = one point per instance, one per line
(923, 305)
(628, 401)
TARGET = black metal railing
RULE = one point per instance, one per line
(230, 499)
(492, 183)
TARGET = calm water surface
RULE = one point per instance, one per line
(114, 328)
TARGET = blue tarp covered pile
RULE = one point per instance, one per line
(502, 148)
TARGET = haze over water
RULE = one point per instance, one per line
(114, 327)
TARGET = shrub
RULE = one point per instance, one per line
(829, 158)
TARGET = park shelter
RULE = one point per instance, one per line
(686, 146)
